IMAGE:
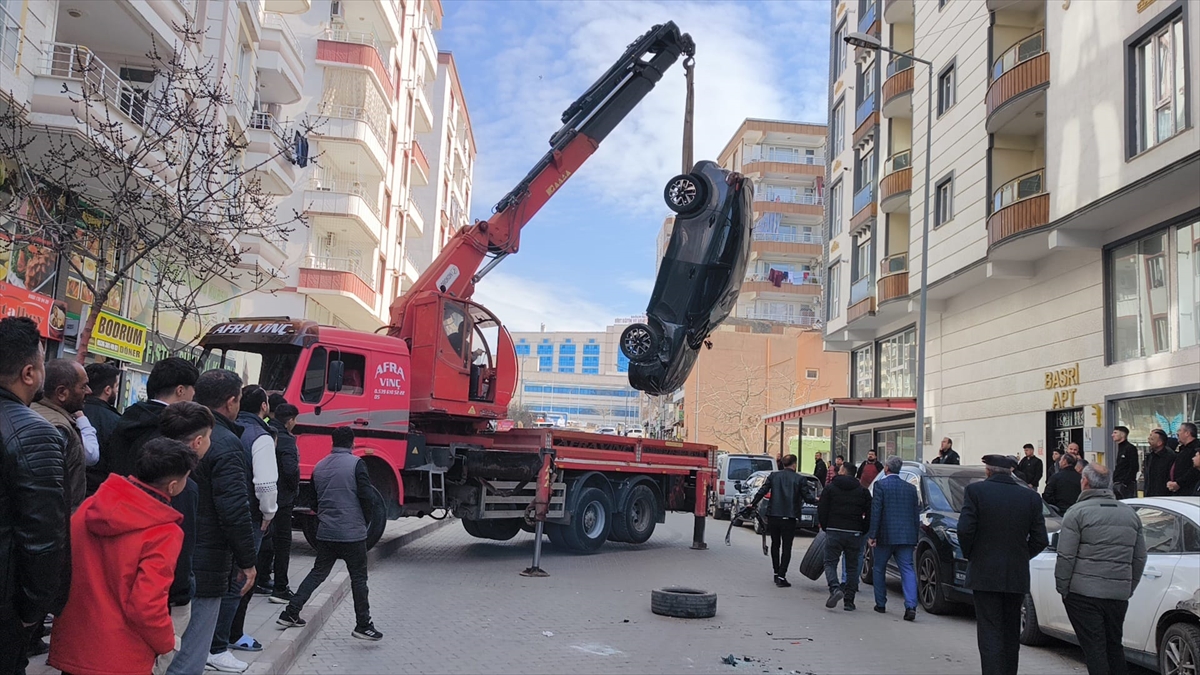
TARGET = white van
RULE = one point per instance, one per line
(731, 471)
(635, 432)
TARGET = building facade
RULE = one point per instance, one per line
(786, 161)
(1064, 217)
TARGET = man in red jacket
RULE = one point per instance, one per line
(125, 540)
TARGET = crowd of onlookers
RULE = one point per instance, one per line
(140, 537)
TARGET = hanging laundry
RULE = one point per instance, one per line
(776, 277)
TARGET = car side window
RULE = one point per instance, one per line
(313, 387)
(1191, 536)
(1161, 530)
(937, 498)
(915, 481)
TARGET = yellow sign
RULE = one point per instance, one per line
(119, 338)
(1065, 380)
(1143, 4)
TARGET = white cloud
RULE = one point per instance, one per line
(523, 305)
(642, 286)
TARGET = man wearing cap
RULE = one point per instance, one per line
(1000, 529)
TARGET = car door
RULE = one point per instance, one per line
(1051, 613)
(1164, 544)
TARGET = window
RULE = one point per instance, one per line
(522, 349)
(862, 259)
(864, 372)
(590, 370)
(946, 90)
(545, 364)
(834, 209)
(899, 442)
(545, 350)
(864, 172)
(354, 369)
(622, 363)
(566, 349)
(1161, 529)
(837, 132)
(566, 364)
(810, 374)
(1160, 84)
(1164, 411)
(839, 50)
(591, 350)
(314, 377)
(943, 202)
(835, 290)
(897, 364)
(1154, 293)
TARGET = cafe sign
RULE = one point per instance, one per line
(49, 315)
(118, 338)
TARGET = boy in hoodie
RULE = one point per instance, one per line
(844, 512)
(171, 380)
(125, 541)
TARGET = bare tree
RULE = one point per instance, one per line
(521, 415)
(152, 180)
(732, 410)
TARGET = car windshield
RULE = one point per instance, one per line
(740, 468)
(269, 366)
(946, 492)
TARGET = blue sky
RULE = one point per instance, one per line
(588, 256)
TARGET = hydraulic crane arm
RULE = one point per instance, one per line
(586, 123)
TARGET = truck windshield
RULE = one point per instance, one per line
(268, 366)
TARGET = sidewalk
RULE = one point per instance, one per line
(281, 647)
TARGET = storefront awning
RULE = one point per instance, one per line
(850, 411)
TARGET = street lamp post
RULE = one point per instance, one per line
(870, 42)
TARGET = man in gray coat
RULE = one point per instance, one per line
(1101, 555)
(343, 506)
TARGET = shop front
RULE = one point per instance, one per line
(857, 426)
(49, 314)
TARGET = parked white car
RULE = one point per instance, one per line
(1162, 626)
(635, 432)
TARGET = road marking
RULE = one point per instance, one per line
(598, 650)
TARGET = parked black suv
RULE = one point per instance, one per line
(699, 279)
(940, 566)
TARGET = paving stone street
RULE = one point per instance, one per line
(449, 603)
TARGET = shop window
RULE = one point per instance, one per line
(1143, 414)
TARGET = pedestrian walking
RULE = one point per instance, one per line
(1063, 488)
(1157, 469)
(99, 408)
(895, 527)
(869, 469)
(820, 470)
(224, 552)
(947, 454)
(258, 442)
(1030, 467)
(171, 380)
(191, 424)
(1184, 476)
(1101, 555)
(343, 506)
(65, 389)
(273, 560)
(844, 513)
(1124, 475)
(1000, 529)
(125, 541)
(789, 493)
(33, 526)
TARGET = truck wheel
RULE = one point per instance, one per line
(308, 525)
(636, 523)
(683, 603)
(591, 521)
(555, 533)
(639, 343)
(498, 530)
(686, 193)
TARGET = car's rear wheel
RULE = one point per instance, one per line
(868, 567)
(1031, 633)
(639, 343)
(686, 193)
(1179, 650)
(929, 583)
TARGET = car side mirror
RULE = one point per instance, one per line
(337, 370)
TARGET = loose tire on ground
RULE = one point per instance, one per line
(683, 603)
(635, 524)
(812, 565)
(1031, 634)
(1179, 650)
(591, 521)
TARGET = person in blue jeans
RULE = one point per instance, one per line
(895, 526)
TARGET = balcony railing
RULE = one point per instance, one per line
(1019, 53)
(898, 161)
(10, 39)
(868, 17)
(329, 181)
(241, 100)
(80, 64)
(414, 206)
(788, 198)
(789, 237)
(325, 260)
(768, 154)
(779, 317)
(899, 63)
(864, 110)
(276, 21)
(893, 264)
(864, 196)
(374, 120)
(267, 122)
(1022, 187)
(792, 279)
(861, 290)
(353, 37)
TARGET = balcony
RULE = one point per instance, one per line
(421, 163)
(897, 88)
(10, 41)
(352, 133)
(344, 284)
(269, 149)
(358, 49)
(802, 204)
(280, 62)
(868, 22)
(345, 198)
(415, 219)
(866, 120)
(429, 50)
(423, 120)
(862, 299)
(898, 11)
(264, 253)
(893, 278)
(788, 244)
(91, 77)
(758, 283)
(774, 161)
(866, 214)
(1020, 205)
(288, 6)
(1017, 93)
(781, 317)
(896, 185)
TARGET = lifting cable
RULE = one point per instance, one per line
(689, 68)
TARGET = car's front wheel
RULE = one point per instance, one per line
(1179, 650)
(1031, 633)
(686, 193)
(639, 343)
(929, 583)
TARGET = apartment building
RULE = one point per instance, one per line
(577, 377)
(441, 179)
(786, 161)
(1064, 219)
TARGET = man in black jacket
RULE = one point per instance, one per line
(1030, 467)
(171, 380)
(275, 557)
(1064, 486)
(98, 408)
(820, 470)
(844, 512)
(789, 493)
(1158, 465)
(224, 552)
(33, 510)
(1000, 528)
(946, 453)
(1184, 477)
(1124, 475)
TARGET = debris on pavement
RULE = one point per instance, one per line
(547, 633)
(730, 660)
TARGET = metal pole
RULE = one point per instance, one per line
(921, 322)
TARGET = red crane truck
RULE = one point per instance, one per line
(426, 397)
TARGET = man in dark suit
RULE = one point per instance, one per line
(1064, 486)
(1124, 476)
(1000, 529)
(1030, 467)
(895, 527)
(820, 470)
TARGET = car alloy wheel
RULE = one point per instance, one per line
(1179, 651)
(685, 193)
(639, 343)
(927, 581)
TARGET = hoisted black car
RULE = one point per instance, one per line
(699, 279)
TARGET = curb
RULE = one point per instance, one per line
(282, 652)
